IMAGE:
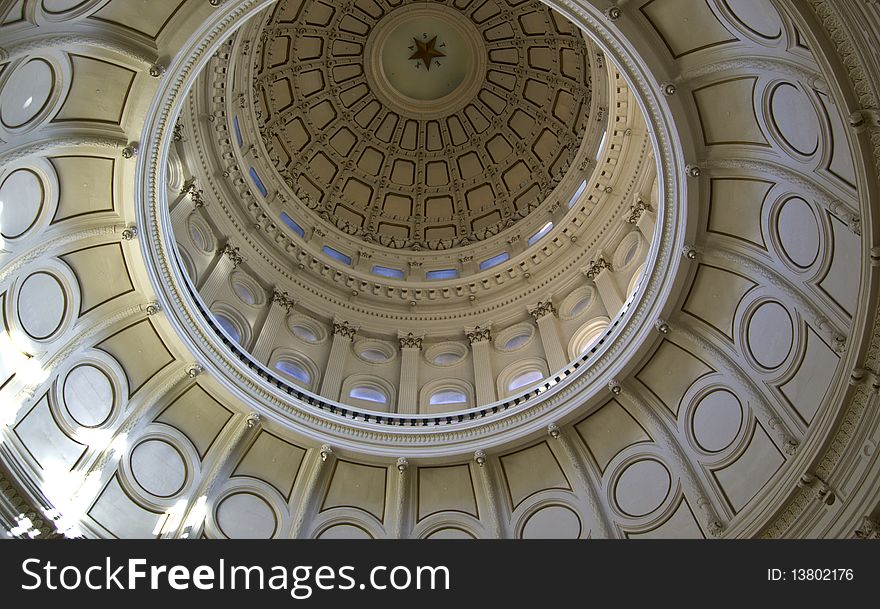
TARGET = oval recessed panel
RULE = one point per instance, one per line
(795, 118)
(88, 395)
(21, 200)
(158, 468)
(717, 421)
(642, 487)
(770, 335)
(799, 233)
(758, 16)
(27, 93)
(344, 531)
(554, 522)
(246, 516)
(41, 305)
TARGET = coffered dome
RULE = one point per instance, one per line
(422, 125)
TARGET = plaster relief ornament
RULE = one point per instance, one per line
(427, 51)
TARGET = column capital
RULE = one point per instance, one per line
(409, 340)
(596, 266)
(344, 328)
(478, 334)
(283, 298)
(233, 253)
(542, 309)
(637, 210)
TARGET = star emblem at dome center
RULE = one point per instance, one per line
(427, 52)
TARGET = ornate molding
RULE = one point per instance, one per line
(637, 210)
(233, 253)
(344, 329)
(542, 309)
(478, 335)
(410, 340)
(283, 299)
(595, 267)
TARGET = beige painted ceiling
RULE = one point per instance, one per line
(750, 407)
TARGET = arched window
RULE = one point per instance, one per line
(586, 336)
(520, 376)
(446, 395)
(524, 380)
(233, 324)
(295, 367)
(368, 392)
(449, 396)
(294, 371)
(635, 282)
(229, 327)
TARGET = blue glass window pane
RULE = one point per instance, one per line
(292, 225)
(494, 261)
(577, 194)
(384, 271)
(441, 274)
(337, 255)
(237, 128)
(369, 394)
(258, 182)
(541, 233)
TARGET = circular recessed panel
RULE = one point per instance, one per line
(717, 420)
(42, 304)
(88, 395)
(426, 59)
(554, 522)
(246, 516)
(27, 93)
(450, 533)
(344, 531)
(795, 118)
(770, 335)
(21, 200)
(799, 233)
(642, 487)
(158, 468)
(757, 16)
(425, 66)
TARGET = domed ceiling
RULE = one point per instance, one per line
(422, 125)
(738, 397)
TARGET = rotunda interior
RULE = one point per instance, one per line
(439, 269)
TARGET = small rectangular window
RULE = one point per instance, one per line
(384, 271)
(577, 194)
(602, 144)
(237, 128)
(292, 225)
(258, 182)
(494, 261)
(541, 233)
(441, 274)
(337, 255)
